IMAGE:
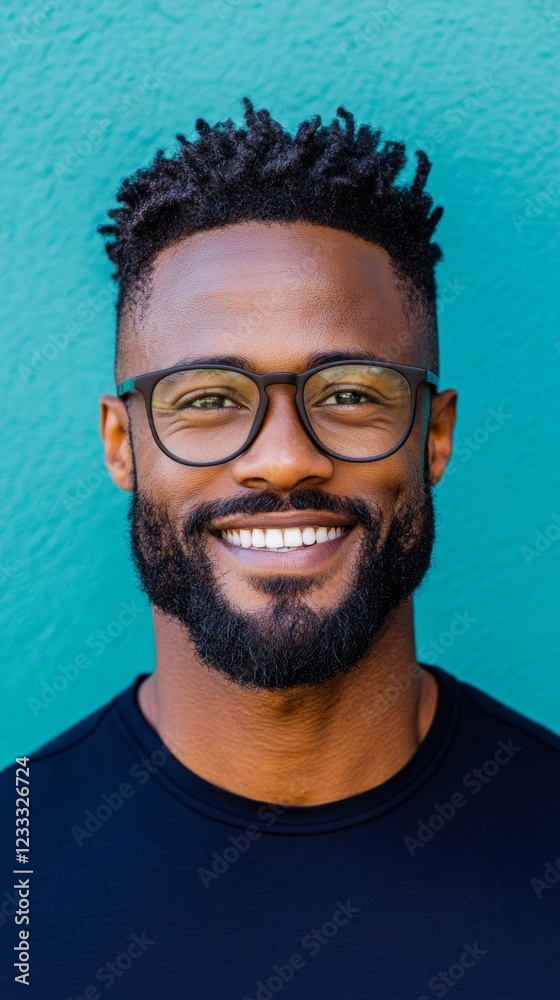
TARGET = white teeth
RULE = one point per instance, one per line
(292, 536)
(274, 538)
(278, 538)
(308, 536)
(258, 539)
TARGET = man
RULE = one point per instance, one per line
(290, 803)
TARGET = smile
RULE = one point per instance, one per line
(281, 539)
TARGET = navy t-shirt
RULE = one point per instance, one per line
(147, 881)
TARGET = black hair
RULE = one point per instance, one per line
(329, 175)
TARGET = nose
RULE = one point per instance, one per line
(282, 456)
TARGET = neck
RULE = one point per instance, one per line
(299, 747)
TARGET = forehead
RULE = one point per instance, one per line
(272, 293)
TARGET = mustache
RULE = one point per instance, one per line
(267, 502)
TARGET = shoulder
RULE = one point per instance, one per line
(67, 759)
(495, 713)
(488, 729)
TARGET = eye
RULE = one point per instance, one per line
(347, 397)
(207, 402)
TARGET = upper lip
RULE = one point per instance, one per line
(290, 519)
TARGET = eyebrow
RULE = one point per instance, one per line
(237, 361)
(328, 357)
(218, 359)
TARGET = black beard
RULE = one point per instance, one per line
(286, 644)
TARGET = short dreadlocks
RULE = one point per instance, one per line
(329, 175)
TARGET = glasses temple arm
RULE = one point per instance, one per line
(125, 387)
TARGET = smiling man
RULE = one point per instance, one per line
(291, 800)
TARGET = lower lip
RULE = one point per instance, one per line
(306, 558)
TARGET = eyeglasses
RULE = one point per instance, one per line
(352, 410)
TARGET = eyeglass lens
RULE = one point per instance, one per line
(207, 414)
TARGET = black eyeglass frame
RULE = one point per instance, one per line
(145, 384)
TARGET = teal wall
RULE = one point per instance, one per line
(90, 90)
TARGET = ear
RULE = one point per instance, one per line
(114, 431)
(440, 434)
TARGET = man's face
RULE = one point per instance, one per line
(275, 296)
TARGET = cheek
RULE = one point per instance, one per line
(170, 485)
(388, 481)
(393, 483)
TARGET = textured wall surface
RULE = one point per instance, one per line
(90, 90)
